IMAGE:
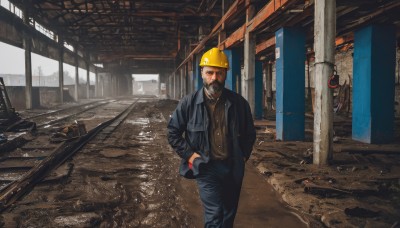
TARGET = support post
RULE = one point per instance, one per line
(290, 82)
(76, 75)
(268, 85)
(61, 69)
(28, 65)
(324, 41)
(258, 91)
(234, 69)
(174, 82)
(198, 81)
(87, 79)
(96, 86)
(249, 60)
(374, 84)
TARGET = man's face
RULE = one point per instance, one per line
(213, 78)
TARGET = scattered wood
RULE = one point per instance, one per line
(328, 191)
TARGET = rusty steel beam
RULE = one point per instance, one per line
(271, 42)
(264, 45)
(264, 14)
(344, 39)
(105, 58)
(234, 38)
(233, 10)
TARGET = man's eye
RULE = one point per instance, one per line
(210, 73)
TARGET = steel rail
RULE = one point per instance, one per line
(64, 151)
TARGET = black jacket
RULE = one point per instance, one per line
(191, 119)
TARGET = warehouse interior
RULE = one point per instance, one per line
(304, 66)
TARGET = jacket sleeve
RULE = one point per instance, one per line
(248, 136)
(176, 127)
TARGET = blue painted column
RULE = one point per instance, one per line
(373, 84)
(290, 75)
(198, 80)
(233, 73)
(258, 109)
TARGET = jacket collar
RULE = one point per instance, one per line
(200, 96)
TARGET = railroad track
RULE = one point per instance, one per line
(46, 120)
(24, 167)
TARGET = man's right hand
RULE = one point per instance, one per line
(194, 156)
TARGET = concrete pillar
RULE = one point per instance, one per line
(61, 69)
(198, 82)
(258, 91)
(175, 81)
(186, 79)
(28, 65)
(96, 86)
(324, 42)
(76, 75)
(181, 83)
(234, 69)
(130, 84)
(290, 57)
(374, 84)
(116, 85)
(159, 83)
(87, 80)
(169, 86)
(248, 89)
(268, 85)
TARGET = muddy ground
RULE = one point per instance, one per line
(359, 188)
(130, 179)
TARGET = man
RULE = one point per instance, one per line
(218, 139)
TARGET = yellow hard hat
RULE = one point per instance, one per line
(214, 57)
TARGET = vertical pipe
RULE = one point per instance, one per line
(324, 35)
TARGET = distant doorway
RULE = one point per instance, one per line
(145, 84)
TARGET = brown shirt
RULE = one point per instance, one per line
(218, 134)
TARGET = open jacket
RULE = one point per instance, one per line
(191, 119)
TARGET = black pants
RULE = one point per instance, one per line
(218, 193)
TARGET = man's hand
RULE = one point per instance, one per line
(194, 156)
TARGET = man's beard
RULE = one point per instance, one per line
(214, 87)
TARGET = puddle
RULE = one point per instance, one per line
(113, 153)
(81, 220)
(145, 136)
(3, 184)
(11, 175)
(139, 121)
(15, 135)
